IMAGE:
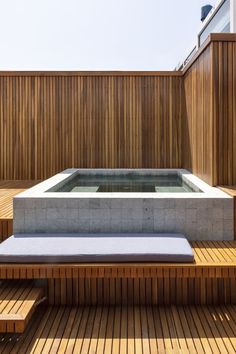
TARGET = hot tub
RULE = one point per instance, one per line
(126, 181)
(125, 200)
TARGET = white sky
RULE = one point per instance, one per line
(97, 34)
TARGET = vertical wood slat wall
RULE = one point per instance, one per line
(197, 121)
(52, 122)
(209, 122)
(6, 228)
(224, 111)
(141, 291)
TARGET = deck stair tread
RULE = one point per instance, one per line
(8, 190)
(18, 300)
(127, 329)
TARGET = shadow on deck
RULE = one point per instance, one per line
(128, 329)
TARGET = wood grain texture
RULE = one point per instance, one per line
(209, 124)
(224, 111)
(127, 330)
(217, 259)
(213, 37)
(142, 291)
(49, 123)
(8, 189)
(211, 280)
(198, 119)
(6, 228)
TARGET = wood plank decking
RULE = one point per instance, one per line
(126, 330)
(8, 189)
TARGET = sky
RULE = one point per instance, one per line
(97, 34)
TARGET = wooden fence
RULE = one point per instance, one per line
(209, 133)
(50, 121)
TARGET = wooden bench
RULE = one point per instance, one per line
(210, 279)
(18, 300)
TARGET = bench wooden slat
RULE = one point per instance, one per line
(228, 256)
(213, 249)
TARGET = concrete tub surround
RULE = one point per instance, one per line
(206, 215)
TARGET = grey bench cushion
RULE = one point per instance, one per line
(67, 248)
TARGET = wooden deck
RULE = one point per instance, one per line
(8, 189)
(126, 330)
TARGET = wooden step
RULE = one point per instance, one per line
(8, 189)
(18, 300)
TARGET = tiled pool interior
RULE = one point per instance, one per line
(130, 182)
